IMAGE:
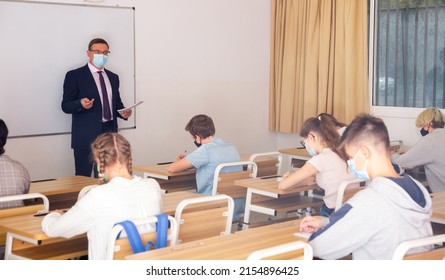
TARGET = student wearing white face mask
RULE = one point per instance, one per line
(429, 151)
(326, 167)
(390, 210)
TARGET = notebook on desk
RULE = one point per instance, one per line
(303, 234)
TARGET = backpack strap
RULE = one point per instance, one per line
(133, 236)
(161, 231)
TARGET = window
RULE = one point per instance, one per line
(409, 53)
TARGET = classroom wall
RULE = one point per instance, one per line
(194, 56)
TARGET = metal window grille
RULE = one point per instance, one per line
(409, 53)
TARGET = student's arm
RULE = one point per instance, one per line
(179, 165)
(302, 177)
(74, 222)
(71, 102)
(347, 230)
(419, 154)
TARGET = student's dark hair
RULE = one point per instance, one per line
(201, 125)
(332, 119)
(3, 136)
(366, 128)
(97, 41)
(325, 129)
(110, 148)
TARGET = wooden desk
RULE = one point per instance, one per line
(281, 200)
(171, 200)
(236, 246)
(296, 153)
(170, 182)
(62, 192)
(295, 158)
(438, 215)
(27, 228)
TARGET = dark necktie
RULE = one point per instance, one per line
(105, 102)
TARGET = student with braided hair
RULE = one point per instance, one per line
(120, 196)
(326, 167)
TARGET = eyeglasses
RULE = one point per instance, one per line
(100, 52)
(302, 143)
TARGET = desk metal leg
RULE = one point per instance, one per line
(8, 246)
(248, 205)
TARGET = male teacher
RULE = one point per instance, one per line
(91, 95)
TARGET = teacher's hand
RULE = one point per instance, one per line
(125, 114)
(87, 103)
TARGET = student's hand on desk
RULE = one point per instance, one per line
(311, 224)
(179, 157)
(87, 103)
(126, 114)
(286, 175)
(59, 211)
(311, 181)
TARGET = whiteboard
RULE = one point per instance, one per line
(40, 42)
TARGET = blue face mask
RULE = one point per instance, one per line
(311, 152)
(100, 60)
(362, 174)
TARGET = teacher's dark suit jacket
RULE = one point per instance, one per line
(87, 124)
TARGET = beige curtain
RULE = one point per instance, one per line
(318, 61)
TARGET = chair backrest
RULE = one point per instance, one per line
(16, 211)
(118, 249)
(436, 254)
(395, 145)
(84, 191)
(204, 217)
(224, 182)
(346, 190)
(269, 163)
(288, 251)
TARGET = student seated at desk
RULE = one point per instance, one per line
(14, 178)
(429, 151)
(390, 210)
(321, 140)
(122, 196)
(211, 152)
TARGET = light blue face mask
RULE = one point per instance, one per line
(100, 60)
(362, 174)
(311, 152)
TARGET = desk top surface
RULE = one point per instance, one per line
(161, 169)
(271, 185)
(438, 200)
(25, 225)
(62, 185)
(30, 226)
(172, 199)
(295, 152)
(236, 246)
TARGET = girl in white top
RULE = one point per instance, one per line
(122, 196)
(326, 167)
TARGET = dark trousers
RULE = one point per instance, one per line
(83, 162)
(83, 159)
